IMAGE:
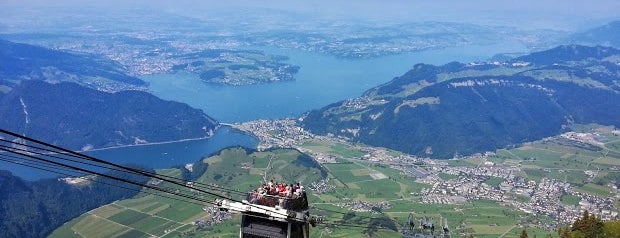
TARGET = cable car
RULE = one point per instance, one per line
(271, 216)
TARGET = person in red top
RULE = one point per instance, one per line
(282, 189)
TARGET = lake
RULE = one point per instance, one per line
(163, 155)
(322, 79)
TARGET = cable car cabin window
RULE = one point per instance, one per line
(253, 226)
(296, 230)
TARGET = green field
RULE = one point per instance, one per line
(346, 151)
(148, 215)
(339, 149)
(288, 166)
(570, 199)
(615, 145)
(356, 180)
(344, 172)
(608, 161)
(595, 189)
(464, 162)
(494, 181)
(378, 190)
(445, 176)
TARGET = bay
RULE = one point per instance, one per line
(322, 79)
(160, 155)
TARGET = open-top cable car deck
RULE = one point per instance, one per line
(272, 214)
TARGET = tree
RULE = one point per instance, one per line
(564, 232)
(523, 234)
(611, 229)
(588, 225)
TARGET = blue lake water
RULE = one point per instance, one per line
(163, 155)
(322, 79)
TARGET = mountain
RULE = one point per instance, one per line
(34, 209)
(563, 55)
(441, 111)
(77, 117)
(80, 101)
(606, 35)
(22, 61)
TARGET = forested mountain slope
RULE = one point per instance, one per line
(440, 111)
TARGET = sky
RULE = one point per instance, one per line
(489, 11)
(534, 14)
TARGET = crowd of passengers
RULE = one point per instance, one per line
(273, 194)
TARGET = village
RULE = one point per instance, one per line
(452, 184)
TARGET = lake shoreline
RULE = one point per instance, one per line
(321, 80)
(145, 144)
(158, 155)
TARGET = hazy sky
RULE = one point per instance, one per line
(556, 14)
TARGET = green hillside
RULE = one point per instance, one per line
(149, 215)
(36, 208)
(82, 118)
(387, 194)
(463, 109)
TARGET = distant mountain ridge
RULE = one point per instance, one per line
(70, 115)
(65, 99)
(28, 62)
(566, 53)
(442, 111)
(607, 35)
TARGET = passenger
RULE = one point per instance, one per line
(277, 194)
(289, 190)
(254, 197)
(282, 190)
(272, 190)
(295, 187)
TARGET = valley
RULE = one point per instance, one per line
(484, 119)
(360, 189)
(538, 186)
